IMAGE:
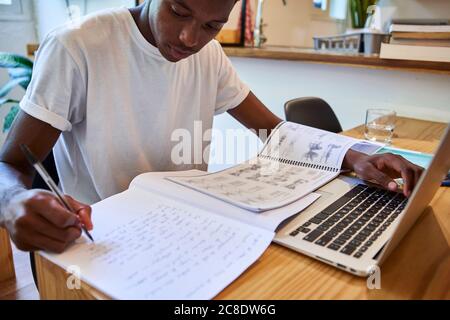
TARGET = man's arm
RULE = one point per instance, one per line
(35, 219)
(253, 114)
(380, 169)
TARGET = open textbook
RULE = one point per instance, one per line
(161, 240)
(294, 161)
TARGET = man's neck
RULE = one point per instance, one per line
(142, 19)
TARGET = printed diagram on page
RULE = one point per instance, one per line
(257, 181)
(310, 145)
(294, 161)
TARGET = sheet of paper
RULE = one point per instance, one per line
(155, 182)
(260, 184)
(150, 247)
(368, 147)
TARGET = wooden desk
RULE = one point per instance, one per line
(6, 258)
(418, 269)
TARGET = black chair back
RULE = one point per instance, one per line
(313, 112)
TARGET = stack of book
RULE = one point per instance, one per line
(418, 42)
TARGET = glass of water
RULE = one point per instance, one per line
(380, 125)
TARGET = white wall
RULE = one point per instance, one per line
(16, 31)
(16, 27)
(50, 14)
(424, 9)
(413, 9)
(349, 90)
(298, 22)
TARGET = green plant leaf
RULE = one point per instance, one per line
(6, 101)
(23, 73)
(23, 82)
(20, 72)
(11, 60)
(9, 119)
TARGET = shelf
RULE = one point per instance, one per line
(348, 59)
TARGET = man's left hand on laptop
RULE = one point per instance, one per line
(382, 169)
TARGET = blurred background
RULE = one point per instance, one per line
(350, 88)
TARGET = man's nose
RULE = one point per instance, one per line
(189, 35)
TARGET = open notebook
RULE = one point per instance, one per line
(161, 240)
(294, 161)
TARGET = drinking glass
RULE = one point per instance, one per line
(380, 125)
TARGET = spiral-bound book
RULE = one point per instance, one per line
(294, 161)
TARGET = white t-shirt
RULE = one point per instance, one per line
(117, 101)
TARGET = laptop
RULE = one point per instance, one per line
(354, 226)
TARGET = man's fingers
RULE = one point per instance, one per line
(52, 210)
(33, 240)
(22, 245)
(408, 180)
(83, 211)
(373, 174)
(48, 244)
(405, 169)
(85, 217)
(47, 229)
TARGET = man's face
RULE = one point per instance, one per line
(183, 27)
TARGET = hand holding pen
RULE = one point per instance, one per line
(36, 220)
(52, 185)
(42, 220)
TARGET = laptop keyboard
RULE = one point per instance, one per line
(355, 221)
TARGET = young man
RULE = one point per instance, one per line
(108, 93)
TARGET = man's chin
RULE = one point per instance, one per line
(168, 57)
(172, 59)
(172, 55)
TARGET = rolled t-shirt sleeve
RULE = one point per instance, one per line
(57, 93)
(231, 90)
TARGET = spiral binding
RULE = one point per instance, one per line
(301, 163)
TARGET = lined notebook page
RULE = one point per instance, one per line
(149, 247)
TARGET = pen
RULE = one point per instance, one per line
(49, 181)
